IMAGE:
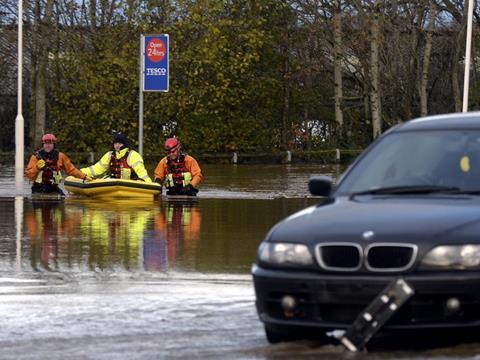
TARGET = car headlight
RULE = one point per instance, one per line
(284, 254)
(453, 257)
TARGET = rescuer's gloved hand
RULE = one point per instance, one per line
(190, 190)
(40, 164)
(87, 178)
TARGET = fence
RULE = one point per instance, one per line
(329, 156)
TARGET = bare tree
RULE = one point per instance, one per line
(459, 12)
(337, 61)
(426, 58)
(375, 92)
(39, 17)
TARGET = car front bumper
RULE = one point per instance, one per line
(331, 301)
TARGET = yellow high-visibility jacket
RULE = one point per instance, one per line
(134, 160)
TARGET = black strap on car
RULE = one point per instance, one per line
(376, 314)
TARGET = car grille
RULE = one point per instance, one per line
(376, 257)
(339, 256)
(390, 256)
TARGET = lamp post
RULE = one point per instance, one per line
(468, 47)
(19, 122)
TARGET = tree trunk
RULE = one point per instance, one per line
(307, 128)
(286, 103)
(103, 13)
(375, 96)
(337, 66)
(93, 14)
(40, 94)
(426, 59)
(286, 90)
(459, 43)
(42, 38)
(413, 62)
(457, 98)
(130, 11)
(33, 139)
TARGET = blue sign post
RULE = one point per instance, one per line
(154, 72)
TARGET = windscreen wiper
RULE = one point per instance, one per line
(410, 189)
(465, 192)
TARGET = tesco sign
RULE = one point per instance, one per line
(155, 76)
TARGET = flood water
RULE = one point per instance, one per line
(158, 279)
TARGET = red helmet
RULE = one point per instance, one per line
(49, 138)
(172, 144)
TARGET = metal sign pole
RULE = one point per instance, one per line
(466, 79)
(19, 121)
(140, 100)
(153, 72)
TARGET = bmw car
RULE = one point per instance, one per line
(407, 211)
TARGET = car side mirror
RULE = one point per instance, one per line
(320, 185)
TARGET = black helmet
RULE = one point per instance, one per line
(120, 138)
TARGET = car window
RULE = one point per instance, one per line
(437, 158)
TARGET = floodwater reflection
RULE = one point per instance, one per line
(113, 232)
(98, 236)
(177, 228)
(200, 235)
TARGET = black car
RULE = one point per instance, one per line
(402, 221)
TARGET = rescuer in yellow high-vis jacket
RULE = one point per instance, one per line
(121, 163)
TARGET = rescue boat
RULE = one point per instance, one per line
(112, 188)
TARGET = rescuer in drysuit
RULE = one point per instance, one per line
(178, 172)
(45, 166)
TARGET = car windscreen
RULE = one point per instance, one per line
(436, 159)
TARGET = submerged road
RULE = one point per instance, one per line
(179, 317)
(85, 280)
(175, 317)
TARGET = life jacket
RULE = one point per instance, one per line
(50, 174)
(176, 174)
(119, 168)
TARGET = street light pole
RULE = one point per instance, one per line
(468, 47)
(19, 122)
